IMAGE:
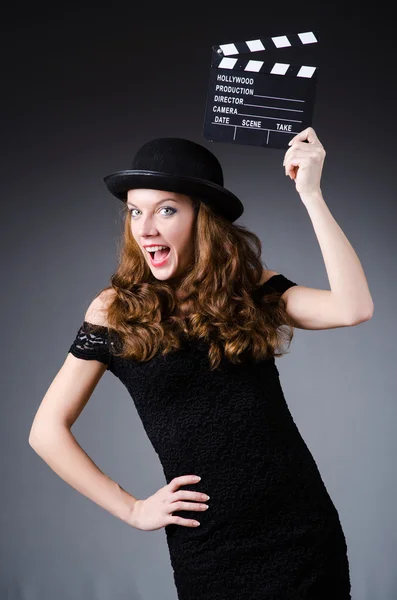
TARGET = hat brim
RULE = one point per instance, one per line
(120, 182)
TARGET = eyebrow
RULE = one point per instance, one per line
(156, 203)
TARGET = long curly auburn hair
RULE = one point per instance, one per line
(214, 301)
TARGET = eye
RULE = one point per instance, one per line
(163, 207)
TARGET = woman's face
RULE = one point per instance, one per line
(160, 218)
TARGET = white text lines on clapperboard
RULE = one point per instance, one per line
(264, 103)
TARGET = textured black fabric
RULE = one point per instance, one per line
(272, 531)
(278, 283)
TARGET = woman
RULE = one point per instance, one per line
(191, 324)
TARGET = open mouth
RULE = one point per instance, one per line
(161, 256)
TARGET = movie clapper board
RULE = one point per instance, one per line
(259, 103)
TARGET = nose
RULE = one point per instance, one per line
(146, 228)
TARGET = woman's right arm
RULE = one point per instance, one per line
(57, 446)
(51, 437)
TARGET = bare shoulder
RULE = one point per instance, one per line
(267, 273)
(97, 311)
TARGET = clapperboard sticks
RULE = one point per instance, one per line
(259, 103)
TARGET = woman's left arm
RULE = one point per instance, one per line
(349, 296)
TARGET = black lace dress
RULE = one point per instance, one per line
(271, 531)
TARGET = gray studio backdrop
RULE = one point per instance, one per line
(80, 99)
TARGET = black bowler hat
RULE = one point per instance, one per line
(181, 166)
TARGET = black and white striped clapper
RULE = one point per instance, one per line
(259, 103)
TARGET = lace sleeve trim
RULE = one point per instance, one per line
(92, 343)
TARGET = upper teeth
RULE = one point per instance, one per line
(154, 248)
